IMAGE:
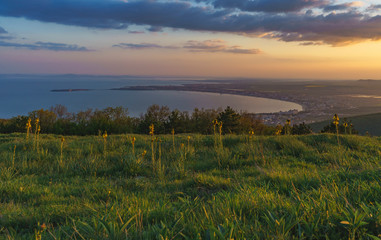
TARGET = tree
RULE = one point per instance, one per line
(201, 120)
(46, 119)
(301, 129)
(179, 121)
(230, 120)
(156, 115)
(60, 111)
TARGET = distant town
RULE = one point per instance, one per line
(319, 99)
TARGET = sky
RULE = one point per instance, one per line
(304, 39)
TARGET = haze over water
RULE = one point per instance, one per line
(22, 94)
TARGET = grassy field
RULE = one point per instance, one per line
(197, 187)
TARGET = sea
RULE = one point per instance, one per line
(21, 94)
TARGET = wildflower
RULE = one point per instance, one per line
(144, 153)
(151, 132)
(37, 127)
(287, 127)
(188, 138)
(278, 130)
(151, 129)
(62, 143)
(251, 134)
(336, 119)
(220, 127)
(105, 143)
(28, 127)
(345, 222)
(345, 127)
(43, 226)
(173, 139)
(133, 145)
(215, 123)
(28, 124)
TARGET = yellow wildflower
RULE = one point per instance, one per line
(336, 119)
(151, 129)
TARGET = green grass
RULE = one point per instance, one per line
(279, 187)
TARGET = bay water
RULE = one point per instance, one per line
(20, 94)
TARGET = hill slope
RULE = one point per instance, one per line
(364, 123)
(201, 187)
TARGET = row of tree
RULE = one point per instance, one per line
(116, 120)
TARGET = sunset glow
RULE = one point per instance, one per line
(311, 39)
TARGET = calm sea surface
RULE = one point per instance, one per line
(22, 94)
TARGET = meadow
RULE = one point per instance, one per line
(181, 186)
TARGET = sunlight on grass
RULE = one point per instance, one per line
(190, 186)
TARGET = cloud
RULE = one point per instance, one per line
(268, 5)
(193, 46)
(155, 29)
(279, 19)
(374, 8)
(136, 32)
(217, 46)
(140, 46)
(2, 31)
(4, 35)
(343, 6)
(45, 46)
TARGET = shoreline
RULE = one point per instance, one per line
(220, 91)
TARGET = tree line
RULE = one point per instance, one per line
(116, 120)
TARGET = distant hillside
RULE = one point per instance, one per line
(362, 123)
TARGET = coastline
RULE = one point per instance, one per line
(203, 89)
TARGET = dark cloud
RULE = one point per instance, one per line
(235, 16)
(373, 8)
(155, 29)
(140, 46)
(4, 34)
(2, 31)
(217, 46)
(269, 5)
(136, 32)
(6, 37)
(334, 29)
(44, 46)
(341, 7)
